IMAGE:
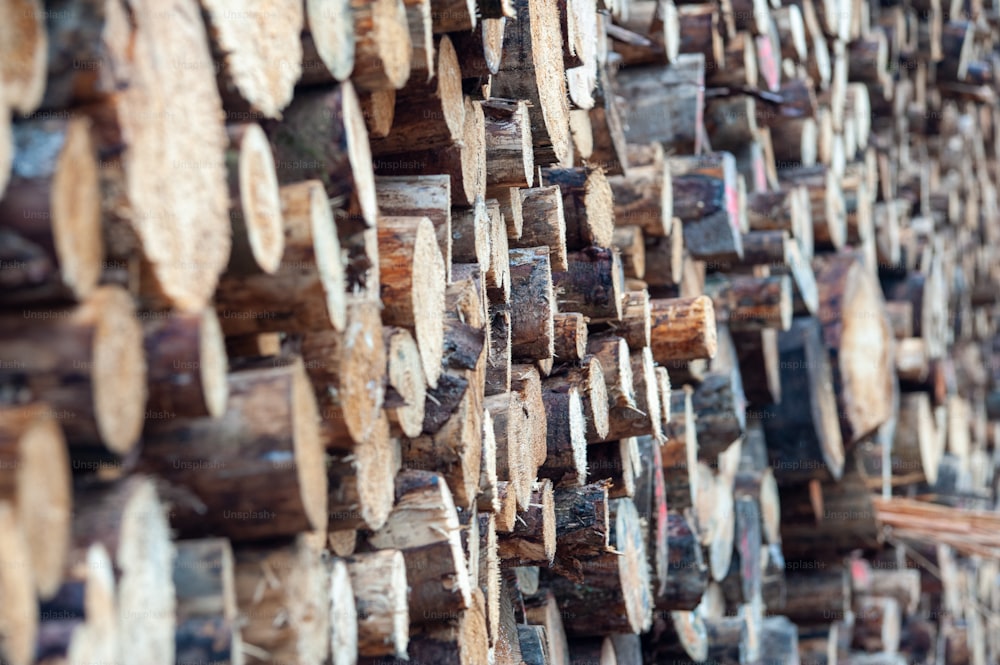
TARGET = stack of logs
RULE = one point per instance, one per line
(498, 331)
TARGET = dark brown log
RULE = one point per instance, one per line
(707, 200)
(86, 362)
(748, 303)
(263, 476)
(204, 579)
(803, 433)
(687, 573)
(593, 283)
(877, 624)
(665, 104)
(759, 366)
(565, 438)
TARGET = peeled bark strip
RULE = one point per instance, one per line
(406, 390)
(322, 135)
(129, 520)
(346, 370)
(23, 52)
(532, 542)
(566, 438)
(327, 41)
(420, 196)
(424, 526)
(308, 290)
(428, 111)
(382, 47)
(36, 484)
(532, 69)
(380, 594)
(50, 217)
(413, 281)
(263, 475)
(532, 300)
(186, 364)
(545, 225)
(261, 52)
(683, 329)
(283, 592)
(509, 151)
(707, 200)
(593, 283)
(614, 596)
(857, 335)
(206, 602)
(587, 205)
(86, 362)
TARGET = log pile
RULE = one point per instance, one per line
(499, 332)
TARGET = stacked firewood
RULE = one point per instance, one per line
(509, 331)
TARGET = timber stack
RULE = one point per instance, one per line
(468, 332)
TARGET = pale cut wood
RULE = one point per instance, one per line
(23, 49)
(545, 223)
(509, 150)
(86, 362)
(421, 196)
(588, 205)
(261, 52)
(565, 437)
(380, 594)
(413, 281)
(265, 476)
(309, 289)
(360, 481)
(36, 485)
(19, 618)
(327, 41)
(50, 219)
(406, 390)
(382, 47)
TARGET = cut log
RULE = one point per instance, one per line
(25, 45)
(588, 378)
(186, 364)
(747, 303)
(666, 104)
(327, 41)
(683, 329)
(261, 54)
(86, 363)
(565, 438)
(857, 335)
(509, 150)
(413, 281)
(587, 205)
(706, 198)
(614, 462)
(380, 595)
(347, 373)
(406, 391)
(720, 406)
(532, 542)
(308, 290)
(803, 433)
(613, 354)
(816, 593)
(420, 196)
(50, 215)
(360, 481)
(570, 336)
(593, 283)
(643, 418)
(915, 448)
(542, 208)
(645, 197)
(532, 52)
(204, 578)
(322, 135)
(36, 486)
(263, 476)
(614, 596)
(382, 46)
(877, 624)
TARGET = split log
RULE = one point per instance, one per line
(412, 274)
(593, 283)
(50, 216)
(263, 476)
(186, 364)
(587, 205)
(683, 329)
(857, 335)
(614, 596)
(308, 290)
(261, 54)
(36, 485)
(803, 433)
(347, 373)
(532, 51)
(331, 119)
(86, 362)
(380, 594)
